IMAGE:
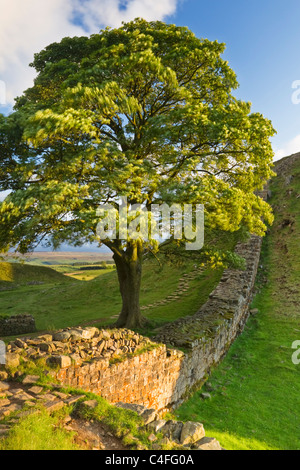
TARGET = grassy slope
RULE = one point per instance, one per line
(255, 390)
(39, 431)
(12, 274)
(64, 301)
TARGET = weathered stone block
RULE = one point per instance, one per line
(91, 404)
(207, 443)
(62, 361)
(30, 379)
(157, 425)
(61, 336)
(12, 360)
(173, 430)
(191, 432)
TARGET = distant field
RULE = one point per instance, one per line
(62, 257)
(88, 274)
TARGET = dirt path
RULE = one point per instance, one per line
(91, 435)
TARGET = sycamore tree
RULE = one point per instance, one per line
(146, 112)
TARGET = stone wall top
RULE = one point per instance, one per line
(78, 345)
(233, 293)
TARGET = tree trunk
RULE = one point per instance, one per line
(129, 274)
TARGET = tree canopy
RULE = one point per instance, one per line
(145, 111)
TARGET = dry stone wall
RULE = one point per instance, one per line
(207, 335)
(17, 325)
(123, 366)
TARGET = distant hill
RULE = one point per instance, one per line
(43, 258)
(12, 274)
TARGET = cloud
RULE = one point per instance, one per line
(26, 27)
(113, 12)
(291, 147)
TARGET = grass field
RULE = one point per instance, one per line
(88, 274)
(61, 301)
(255, 391)
(83, 272)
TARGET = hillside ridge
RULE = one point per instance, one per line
(12, 274)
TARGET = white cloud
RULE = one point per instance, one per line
(27, 26)
(291, 147)
(95, 12)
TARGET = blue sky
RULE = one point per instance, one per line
(263, 48)
(262, 40)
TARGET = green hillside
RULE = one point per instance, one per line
(174, 285)
(63, 301)
(254, 392)
(15, 274)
